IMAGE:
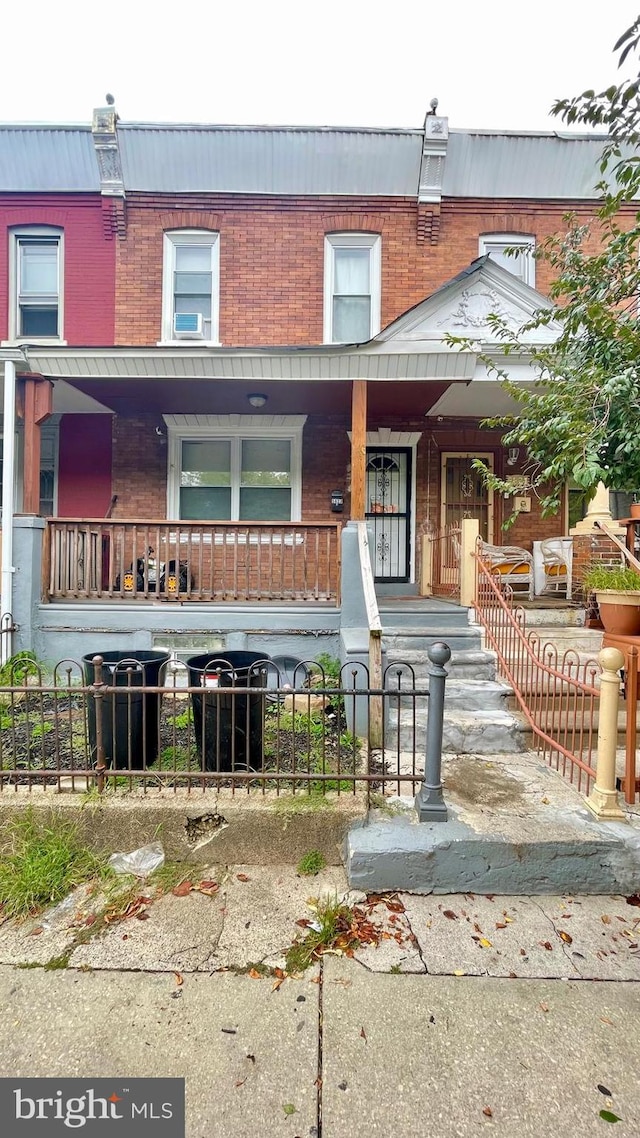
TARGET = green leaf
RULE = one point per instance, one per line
(289, 1108)
(609, 1116)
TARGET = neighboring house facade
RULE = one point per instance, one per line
(243, 333)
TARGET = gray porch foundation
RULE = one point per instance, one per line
(569, 853)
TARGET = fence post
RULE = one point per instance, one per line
(429, 801)
(470, 528)
(426, 566)
(98, 695)
(603, 800)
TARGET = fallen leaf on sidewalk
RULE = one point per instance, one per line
(363, 1034)
(607, 1021)
(289, 1108)
(634, 899)
(605, 919)
(36, 931)
(544, 1007)
(450, 914)
(278, 982)
(609, 1116)
(242, 877)
(486, 1110)
(484, 943)
(209, 888)
(254, 974)
(565, 937)
(183, 889)
(604, 1091)
(179, 978)
(546, 944)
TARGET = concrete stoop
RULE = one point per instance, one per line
(568, 853)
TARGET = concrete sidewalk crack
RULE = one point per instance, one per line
(415, 942)
(558, 937)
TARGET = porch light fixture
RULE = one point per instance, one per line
(513, 454)
(256, 399)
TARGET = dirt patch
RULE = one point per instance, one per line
(472, 781)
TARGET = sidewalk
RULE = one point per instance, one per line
(472, 1014)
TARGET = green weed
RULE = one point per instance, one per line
(333, 922)
(311, 863)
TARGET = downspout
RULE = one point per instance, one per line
(8, 500)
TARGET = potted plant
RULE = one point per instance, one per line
(617, 591)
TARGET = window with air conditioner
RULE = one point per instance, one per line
(514, 251)
(190, 286)
(36, 271)
(351, 287)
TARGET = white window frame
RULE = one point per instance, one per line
(498, 242)
(192, 428)
(333, 241)
(171, 240)
(17, 234)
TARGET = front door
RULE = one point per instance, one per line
(388, 511)
(464, 493)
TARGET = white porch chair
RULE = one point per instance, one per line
(553, 564)
(511, 564)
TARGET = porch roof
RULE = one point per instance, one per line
(330, 362)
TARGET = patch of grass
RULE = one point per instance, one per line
(47, 861)
(168, 875)
(311, 863)
(179, 759)
(332, 923)
(395, 969)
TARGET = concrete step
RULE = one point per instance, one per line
(463, 638)
(426, 622)
(477, 732)
(465, 663)
(564, 851)
(460, 694)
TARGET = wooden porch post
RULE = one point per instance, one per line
(37, 408)
(358, 448)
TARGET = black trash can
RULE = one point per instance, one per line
(229, 725)
(130, 718)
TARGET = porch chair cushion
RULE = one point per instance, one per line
(512, 564)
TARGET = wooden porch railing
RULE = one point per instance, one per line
(190, 561)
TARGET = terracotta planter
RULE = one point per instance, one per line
(619, 612)
(634, 510)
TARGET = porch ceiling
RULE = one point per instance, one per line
(409, 398)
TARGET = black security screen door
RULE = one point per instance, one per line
(388, 509)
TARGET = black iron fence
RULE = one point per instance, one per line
(100, 726)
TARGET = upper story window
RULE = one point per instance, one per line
(190, 286)
(36, 284)
(522, 264)
(351, 287)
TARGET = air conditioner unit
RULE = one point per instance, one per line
(188, 325)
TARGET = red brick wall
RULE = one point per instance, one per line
(84, 466)
(272, 257)
(89, 262)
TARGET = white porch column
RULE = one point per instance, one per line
(597, 511)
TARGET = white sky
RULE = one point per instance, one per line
(496, 64)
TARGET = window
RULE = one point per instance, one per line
(235, 468)
(190, 286)
(36, 274)
(522, 264)
(351, 287)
